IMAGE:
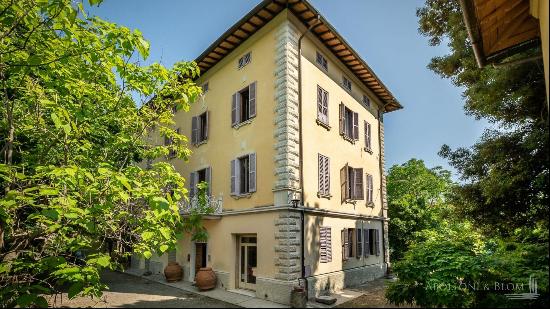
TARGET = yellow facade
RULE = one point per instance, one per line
(273, 135)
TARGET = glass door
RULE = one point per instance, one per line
(248, 259)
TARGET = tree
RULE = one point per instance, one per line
(72, 135)
(417, 200)
(505, 174)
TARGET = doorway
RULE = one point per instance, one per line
(200, 256)
(248, 260)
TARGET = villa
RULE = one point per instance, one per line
(289, 135)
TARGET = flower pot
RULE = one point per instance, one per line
(205, 279)
(173, 272)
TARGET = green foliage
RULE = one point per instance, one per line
(455, 266)
(505, 174)
(72, 135)
(417, 200)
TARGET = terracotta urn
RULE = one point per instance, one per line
(205, 279)
(173, 272)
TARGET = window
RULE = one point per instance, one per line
(205, 87)
(243, 106)
(169, 141)
(351, 183)
(366, 101)
(349, 124)
(197, 177)
(322, 61)
(348, 244)
(370, 199)
(325, 247)
(368, 131)
(372, 242)
(243, 175)
(244, 60)
(346, 83)
(322, 105)
(324, 176)
(199, 128)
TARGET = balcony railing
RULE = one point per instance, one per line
(213, 206)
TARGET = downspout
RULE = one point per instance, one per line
(301, 155)
(382, 195)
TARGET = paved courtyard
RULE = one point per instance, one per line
(373, 296)
(130, 291)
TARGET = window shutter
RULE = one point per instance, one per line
(359, 241)
(252, 172)
(345, 244)
(356, 126)
(206, 125)
(369, 188)
(366, 242)
(325, 252)
(327, 175)
(252, 100)
(367, 136)
(321, 173)
(320, 103)
(325, 106)
(377, 242)
(194, 130)
(208, 179)
(172, 256)
(358, 191)
(234, 177)
(342, 118)
(351, 245)
(344, 183)
(234, 109)
(192, 184)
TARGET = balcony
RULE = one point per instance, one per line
(212, 207)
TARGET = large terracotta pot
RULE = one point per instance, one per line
(205, 279)
(173, 272)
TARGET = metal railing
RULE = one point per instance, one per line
(213, 205)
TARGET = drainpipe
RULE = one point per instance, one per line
(301, 155)
(384, 214)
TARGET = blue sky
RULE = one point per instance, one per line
(383, 32)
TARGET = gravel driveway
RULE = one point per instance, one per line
(129, 291)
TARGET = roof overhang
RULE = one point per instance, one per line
(308, 15)
(498, 28)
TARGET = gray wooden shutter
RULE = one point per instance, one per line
(345, 244)
(172, 256)
(377, 241)
(208, 179)
(319, 103)
(359, 242)
(358, 183)
(234, 109)
(234, 177)
(326, 167)
(194, 130)
(252, 100)
(325, 106)
(342, 119)
(367, 136)
(320, 174)
(344, 192)
(369, 188)
(355, 126)
(192, 184)
(366, 242)
(252, 172)
(325, 252)
(206, 125)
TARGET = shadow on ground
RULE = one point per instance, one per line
(126, 291)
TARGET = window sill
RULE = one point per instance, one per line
(200, 143)
(240, 196)
(322, 124)
(242, 124)
(321, 195)
(349, 139)
(368, 150)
